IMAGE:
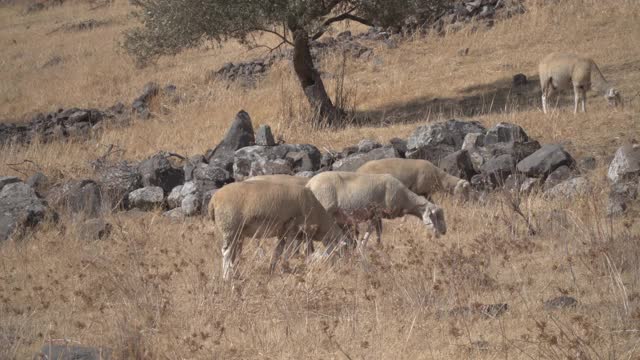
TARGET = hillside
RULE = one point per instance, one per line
(152, 288)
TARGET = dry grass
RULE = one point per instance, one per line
(153, 289)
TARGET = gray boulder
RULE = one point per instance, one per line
(400, 145)
(542, 162)
(279, 159)
(625, 165)
(264, 136)
(20, 208)
(557, 176)
(366, 145)
(191, 204)
(210, 176)
(180, 192)
(505, 133)
(496, 170)
(39, 182)
(205, 200)
(353, 162)
(157, 170)
(5, 180)
(307, 174)
(560, 302)
(458, 164)
(81, 198)
(117, 181)
(620, 197)
(473, 141)
(518, 150)
(176, 214)
(239, 135)
(191, 165)
(570, 188)
(147, 198)
(434, 142)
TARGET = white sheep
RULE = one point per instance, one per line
(355, 197)
(560, 71)
(263, 209)
(420, 176)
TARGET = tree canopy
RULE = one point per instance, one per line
(170, 26)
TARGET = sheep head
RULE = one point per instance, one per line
(433, 218)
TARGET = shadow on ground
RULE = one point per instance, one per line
(497, 97)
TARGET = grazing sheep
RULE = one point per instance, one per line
(561, 71)
(354, 197)
(420, 176)
(281, 179)
(263, 209)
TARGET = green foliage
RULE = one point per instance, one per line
(172, 25)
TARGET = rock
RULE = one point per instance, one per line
(279, 159)
(366, 145)
(620, 196)
(176, 213)
(5, 180)
(473, 141)
(191, 164)
(20, 208)
(519, 80)
(557, 176)
(451, 132)
(625, 164)
(307, 174)
(141, 104)
(239, 135)
(505, 133)
(178, 194)
(264, 136)
(94, 229)
(400, 145)
(542, 162)
(353, 162)
(327, 159)
(117, 181)
(458, 164)
(210, 176)
(147, 198)
(157, 170)
(347, 151)
(191, 204)
(570, 188)
(496, 170)
(39, 182)
(343, 36)
(206, 199)
(587, 163)
(78, 198)
(518, 150)
(560, 302)
(528, 185)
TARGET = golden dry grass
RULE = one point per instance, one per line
(153, 289)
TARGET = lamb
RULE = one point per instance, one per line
(561, 71)
(264, 209)
(356, 197)
(420, 176)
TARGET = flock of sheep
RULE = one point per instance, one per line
(329, 206)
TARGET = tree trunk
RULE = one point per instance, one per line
(324, 112)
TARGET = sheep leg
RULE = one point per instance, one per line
(232, 246)
(546, 92)
(576, 99)
(277, 253)
(583, 95)
(378, 226)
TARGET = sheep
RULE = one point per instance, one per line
(561, 71)
(264, 209)
(282, 179)
(420, 176)
(356, 197)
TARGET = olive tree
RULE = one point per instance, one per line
(168, 26)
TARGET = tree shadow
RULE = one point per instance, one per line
(501, 96)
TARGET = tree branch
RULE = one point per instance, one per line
(282, 37)
(345, 16)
